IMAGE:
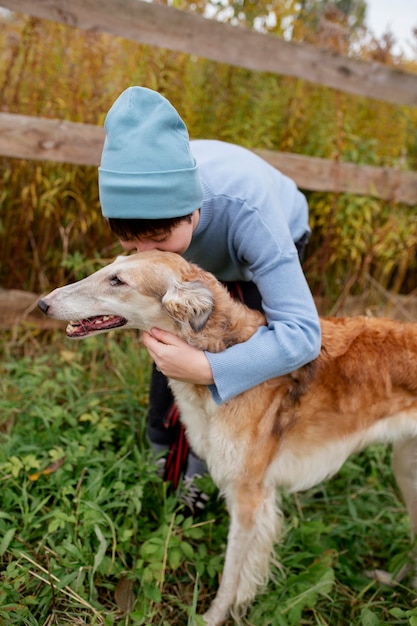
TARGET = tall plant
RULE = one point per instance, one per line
(50, 219)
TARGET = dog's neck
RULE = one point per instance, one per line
(237, 323)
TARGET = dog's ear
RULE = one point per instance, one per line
(190, 302)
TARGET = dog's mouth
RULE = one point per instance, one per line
(90, 325)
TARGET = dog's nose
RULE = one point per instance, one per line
(43, 306)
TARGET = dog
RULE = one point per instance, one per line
(290, 432)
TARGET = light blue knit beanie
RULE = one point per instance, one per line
(147, 170)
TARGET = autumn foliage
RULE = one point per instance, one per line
(51, 228)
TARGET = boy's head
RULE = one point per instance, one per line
(147, 171)
(172, 234)
(131, 229)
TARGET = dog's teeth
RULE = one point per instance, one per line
(101, 319)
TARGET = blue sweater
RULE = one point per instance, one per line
(250, 217)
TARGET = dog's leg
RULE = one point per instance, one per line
(256, 566)
(237, 545)
(404, 465)
(254, 525)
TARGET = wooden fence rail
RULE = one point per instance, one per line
(184, 31)
(26, 137)
(34, 138)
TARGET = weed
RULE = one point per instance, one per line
(89, 534)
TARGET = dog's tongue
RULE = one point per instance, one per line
(89, 325)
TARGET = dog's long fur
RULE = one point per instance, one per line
(290, 432)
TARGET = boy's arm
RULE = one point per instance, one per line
(291, 339)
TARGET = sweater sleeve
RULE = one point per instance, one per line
(292, 335)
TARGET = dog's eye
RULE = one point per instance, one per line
(115, 281)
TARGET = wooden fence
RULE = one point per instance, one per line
(159, 25)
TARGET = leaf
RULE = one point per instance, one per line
(53, 467)
(368, 618)
(123, 594)
(101, 552)
(5, 542)
(59, 520)
(68, 356)
(14, 466)
(152, 592)
(317, 580)
(152, 550)
(193, 613)
(174, 558)
(187, 549)
(92, 417)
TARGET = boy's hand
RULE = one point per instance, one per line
(176, 359)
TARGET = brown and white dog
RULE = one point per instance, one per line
(293, 431)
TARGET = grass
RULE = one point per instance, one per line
(89, 534)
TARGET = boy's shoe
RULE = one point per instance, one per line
(160, 466)
(193, 498)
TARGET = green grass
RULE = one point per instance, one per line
(99, 539)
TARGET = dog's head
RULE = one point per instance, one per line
(145, 290)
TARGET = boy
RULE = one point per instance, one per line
(224, 208)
